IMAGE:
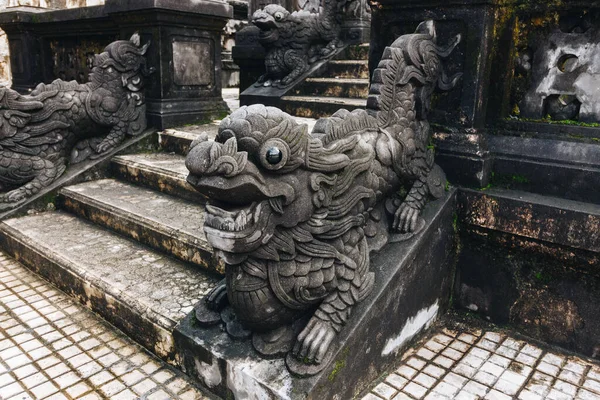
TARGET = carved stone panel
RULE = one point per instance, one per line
(192, 63)
(72, 58)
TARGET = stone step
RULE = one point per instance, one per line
(555, 221)
(355, 52)
(142, 292)
(318, 107)
(354, 69)
(163, 222)
(165, 172)
(332, 87)
(178, 140)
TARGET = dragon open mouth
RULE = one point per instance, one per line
(235, 220)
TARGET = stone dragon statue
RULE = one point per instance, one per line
(294, 41)
(295, 215)
(40, 131)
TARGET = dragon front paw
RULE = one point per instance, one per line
(216, 299)
(314, 341)
(104, 147)
(406, 218)
(13, 196)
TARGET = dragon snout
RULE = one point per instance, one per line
(210, 158)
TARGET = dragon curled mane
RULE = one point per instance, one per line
(295, 215)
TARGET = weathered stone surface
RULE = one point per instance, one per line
(532, 262)
(164, 172)
(551, 167)
(165, 223)
(140, 291)
(334, 87)
(178, 140)
(411, 291)
(318, 107)
(548, 219)
(565, 81)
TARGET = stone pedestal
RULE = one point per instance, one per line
(185, 52)
(412, 286)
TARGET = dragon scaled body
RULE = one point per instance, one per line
(39, 131)
(294, 41)
(296, 215)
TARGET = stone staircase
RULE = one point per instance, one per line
(131, 248)
(344, 83)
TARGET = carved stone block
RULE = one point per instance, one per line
(192, 63)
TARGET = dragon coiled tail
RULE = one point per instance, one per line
(409, 71)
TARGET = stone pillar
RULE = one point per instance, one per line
(356, 28)
(185, 52)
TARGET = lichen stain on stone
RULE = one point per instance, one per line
(483, 212)
(546, 316)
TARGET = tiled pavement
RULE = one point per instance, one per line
(475, 364)
(54, 348)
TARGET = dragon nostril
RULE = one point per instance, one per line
(274, 156)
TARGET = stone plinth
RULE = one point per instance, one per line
(412, 287)
(185, 52)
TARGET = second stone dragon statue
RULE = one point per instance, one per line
(40, 131)
(293, 41)
(295, 215)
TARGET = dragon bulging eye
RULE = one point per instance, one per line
(274, 156)
(278, 16)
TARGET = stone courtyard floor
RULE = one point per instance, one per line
(471, 364)
(51, 347)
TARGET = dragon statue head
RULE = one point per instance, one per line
(119, 73)
(263, 173)
(270, 20)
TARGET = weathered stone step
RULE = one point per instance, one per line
(355, 52)
(165, 172)
(142, 292)
(553, 220)
(334, 87)
(317, 107)
(357, 69)
(178, 140)
(164, 222)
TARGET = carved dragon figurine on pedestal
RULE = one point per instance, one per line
(39, 131)
(295, 215)
(293, 41)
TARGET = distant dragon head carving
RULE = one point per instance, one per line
(295, 215)
(40, 131)
(294, 41)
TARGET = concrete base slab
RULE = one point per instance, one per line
(412, 288)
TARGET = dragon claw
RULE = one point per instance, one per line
(406, 218)
(314, 341)
(216, 299)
